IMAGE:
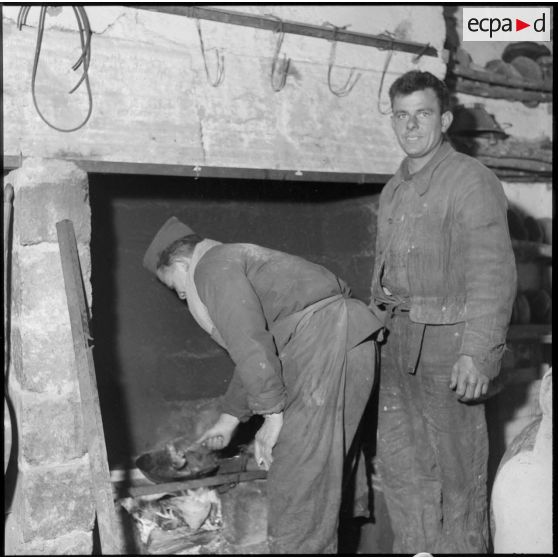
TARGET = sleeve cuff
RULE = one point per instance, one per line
(238, 411)
(265, 405)
(488, 361)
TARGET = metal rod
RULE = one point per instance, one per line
(170, 487)
(293, 27)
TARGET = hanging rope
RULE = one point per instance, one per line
(219, 59)
(283, 64)
(84, 60)
(347, 87)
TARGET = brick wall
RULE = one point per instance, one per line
(52, 511)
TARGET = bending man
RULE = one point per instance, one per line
(304, 360)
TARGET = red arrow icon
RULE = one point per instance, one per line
(519, 25)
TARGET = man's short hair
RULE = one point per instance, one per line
(415, 80)
(181, 246)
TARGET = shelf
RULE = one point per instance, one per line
(528, 250)
(531, 332)
(517, 163)
(493, 78)
(511, 376)
(483, 83)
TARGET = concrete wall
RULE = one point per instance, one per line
(152, 102)
(158, 372)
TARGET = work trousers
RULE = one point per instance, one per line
(328, 387)
(432, 449)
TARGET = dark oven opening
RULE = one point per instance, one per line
(158, 373)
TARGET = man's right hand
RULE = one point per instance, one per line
(220, 434)
(467, 380)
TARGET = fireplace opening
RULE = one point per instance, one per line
(158, 373)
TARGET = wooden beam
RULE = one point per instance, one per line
(91, 411)
(273, 24)
(195, 171)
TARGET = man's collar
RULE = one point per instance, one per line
(423, 177)
(200, 249)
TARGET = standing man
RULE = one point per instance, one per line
(304, 360)
(445, 277)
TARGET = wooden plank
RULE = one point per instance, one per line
(159, 169)
(541, 333)
(484, 89)
(507, 175)
(537, 150)
(307, 29)
(487, 76)
(516, 163)
(91, 411)
(526, 250)
(170, 487)
(520, 375)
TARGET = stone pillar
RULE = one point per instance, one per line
(52, 509)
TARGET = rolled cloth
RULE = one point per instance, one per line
(172, 230)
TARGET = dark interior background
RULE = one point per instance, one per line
(152, 360)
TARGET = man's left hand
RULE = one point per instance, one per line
(468, 382)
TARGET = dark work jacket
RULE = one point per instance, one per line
(456, 250)
(250, 291)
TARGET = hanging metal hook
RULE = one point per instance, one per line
(386, 64)
(282, 67)
(22, 16)
(219, 59)
(390, 36)
(347, 87)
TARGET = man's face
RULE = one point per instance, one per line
(174, 277)
(419, 125)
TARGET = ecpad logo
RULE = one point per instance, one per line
(506, 24)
